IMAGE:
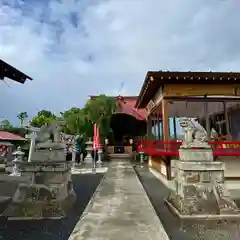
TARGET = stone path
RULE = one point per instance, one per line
(120, 209)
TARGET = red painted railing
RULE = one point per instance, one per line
(161, 148)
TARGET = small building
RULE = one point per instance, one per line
(8, 143)
(7, 136)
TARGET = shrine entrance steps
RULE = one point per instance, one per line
(119, 209)
(120, 156)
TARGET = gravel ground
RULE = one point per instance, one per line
(200, 230)
(84, 185)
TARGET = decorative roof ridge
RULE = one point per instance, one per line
(177, 71)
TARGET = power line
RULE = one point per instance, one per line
(25, 100)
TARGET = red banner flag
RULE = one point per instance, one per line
(96, 137)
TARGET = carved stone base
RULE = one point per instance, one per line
(54, 155)
(208, 226)
(47, 191)
(193, 206)
(200, 154)
(88, 159)
(203, 216)
(199, 190)
(40, 202)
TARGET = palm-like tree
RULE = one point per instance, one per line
(22, 116)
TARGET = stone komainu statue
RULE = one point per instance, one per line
(194, 134)
(49, 132)
(48, 144)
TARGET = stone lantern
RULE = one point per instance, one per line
(89, 148)
(18, 159)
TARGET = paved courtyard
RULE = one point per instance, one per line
(115, 206)
(120, 209)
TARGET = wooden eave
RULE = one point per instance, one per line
(154, 80)
(12, 73)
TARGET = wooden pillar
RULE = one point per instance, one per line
(206, 114)
(159, 130)
(226, 120)
(169, 170)
(149, 128)
(166, 137)
(165, 120)
(162, 130)
(155, 128)
(175, 128)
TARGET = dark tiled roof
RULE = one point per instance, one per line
(10, 72)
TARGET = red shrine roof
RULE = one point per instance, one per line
(127, 106)
(10, 136)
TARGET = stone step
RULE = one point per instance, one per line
(117, 156)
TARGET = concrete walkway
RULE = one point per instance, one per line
(88, 170)
(119, 209)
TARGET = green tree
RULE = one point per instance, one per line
(72, 111)
(46, 114)
(22, 116)
(76, 121)
(99, 110)
(43, 117)
(5, 125)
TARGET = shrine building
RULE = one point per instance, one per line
(127, 124)
(213, 98)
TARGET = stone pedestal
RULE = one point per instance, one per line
(49, 151)
(199, 154)
(198, 187)
(199, 197)
(44, 187)
(48, 194)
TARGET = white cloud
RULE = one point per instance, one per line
(110, 42)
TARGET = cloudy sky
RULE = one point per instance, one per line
(76, 48)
